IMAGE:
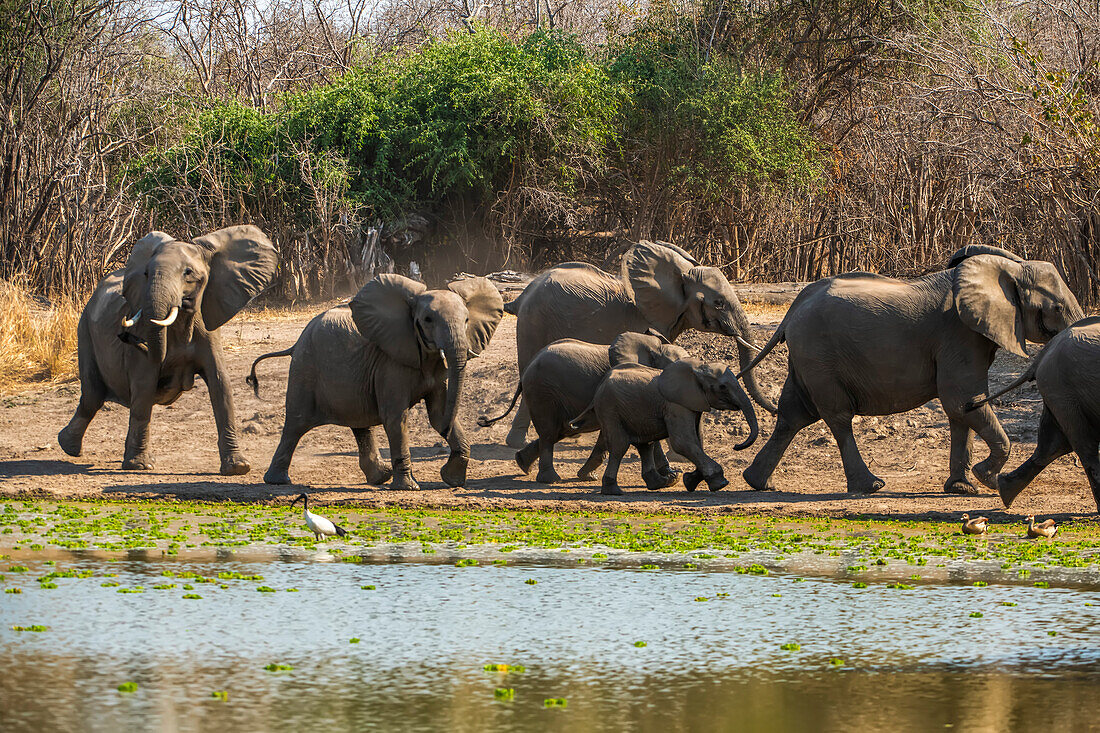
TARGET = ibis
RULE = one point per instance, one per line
(977, 525)
(1043, 529)
(317, 524)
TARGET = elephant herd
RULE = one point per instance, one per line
(596, 354)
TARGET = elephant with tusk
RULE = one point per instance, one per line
(366, 363)
(660, 287)
(152, 327)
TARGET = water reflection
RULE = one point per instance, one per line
(914, 660)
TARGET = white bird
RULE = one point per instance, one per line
(316, 523)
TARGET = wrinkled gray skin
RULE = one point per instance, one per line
(862, 344)
(139, 364)
(661, 287)
(638, 405)
(367, 363)
(560, 383)
(1065, 373)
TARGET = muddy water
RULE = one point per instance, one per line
(914, 659)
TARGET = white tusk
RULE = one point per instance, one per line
(169, 320)
(747, 344)
(471, 354)
(444, 358)
(128, 322)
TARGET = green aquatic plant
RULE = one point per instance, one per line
(276, 667)
(555, 702)
(1041, 584)
(980, 584)
(164, 586)
(467, 562)
(976, 614)
(791, 647)
(1008, 603)
(367, 587)
(109, 584)
(35, 627)
(353, 640)
(649, 566)
(220, 695)
(14, 591)
(836, 662)
(1052, 633)
(504, 693)
(531, 581)
(640, 644)
(900, 586)
(136, 589)
(701, 599)
(690, 566)
(128, 687)
(265, 589)
(505, 668)
(47, 585)
(192, 596)
(18, 568)
(859, 584)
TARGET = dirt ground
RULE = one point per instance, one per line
(909, 451)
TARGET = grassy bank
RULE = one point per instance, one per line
(37, 344)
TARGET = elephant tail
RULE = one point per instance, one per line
(1027, 376)
(777, 338)
(251, 379)
(485, 422)
(585, 419)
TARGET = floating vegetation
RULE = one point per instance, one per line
(701, 599)
(137, 589)
(505, 668)
(353, 640)
(14, 591)
(276, 667)
(1008, 603)
(35, 627)
(1042, 584)
(265, 589)
(836, 661)
(555, 702)
(649, 566)
(980, 584)
(504, 693)
(976, 614)
(531, 581)
(110, 584)
(1052, 633)
(791, 647)
(164, 586)
(900, 586)
(640, 644)
(466, 562)
(367, 587)
(859, 584)
(192, 596)
(220, 695)
(690, 566)
(18, 568)
(128, 687)
(47, 585)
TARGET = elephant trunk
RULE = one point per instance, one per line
(455, 355)
(160, 308)
(740, 331)
(754, 426)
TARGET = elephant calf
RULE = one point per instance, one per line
(366, 363)
(638, 405)
(560, 382)
(1065, 372)
(152, 327)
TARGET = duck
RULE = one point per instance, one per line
(977, 525)
(1043, 529)
(317, 524)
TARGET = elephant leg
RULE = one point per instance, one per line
(526, 456)
(453, 472)
(370, 460)
(653, 478)
(1052, 445)
(278, 472)
(961, 439)
(595, 459)
(795, 413)
(660, 462)
(397, 433)
(859, 477)
(617, 445)
(685, 439)
(517, 434)
(1082, 437)
(93, 392)
(984, 422)
(546, 474)
(137, 456)
(233, 463)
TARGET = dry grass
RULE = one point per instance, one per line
(37, 340)
(760, 308)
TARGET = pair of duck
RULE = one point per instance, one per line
(979, 525)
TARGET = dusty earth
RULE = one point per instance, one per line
(909, 451)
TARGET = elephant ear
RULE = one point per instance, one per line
(679, 383)
(634, 347)
(133, 282)
(486, 308)
(972, 250)
(654, 275)
(383, 313)
(242, 265)
(987, 302)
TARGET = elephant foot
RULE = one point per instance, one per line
(961, 487)
(453, 472)
(868, 485)
(525, 458)
(1009, 488)
(517, 438)
(375, 474)
(985, 473)
(586, 475)
(70, 443)
(548, 477)
(756, 481)
(235, 465)
(717, 482)
(140, 462)
(692, 479)
(277, 476)
(611, 488)
(404, 483)
(654, 480)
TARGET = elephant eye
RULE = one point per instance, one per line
(188, 272)
(719, 303)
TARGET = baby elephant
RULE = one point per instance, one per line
(1065, 372)
(560, 382)
(638, 405)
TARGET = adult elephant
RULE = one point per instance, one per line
(150, 328)
(863, 344)
(661, 287)
(366, 363)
